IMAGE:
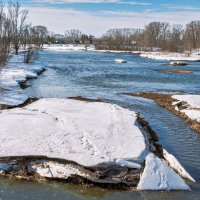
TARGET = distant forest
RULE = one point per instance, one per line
(155, 36)
(15, 32)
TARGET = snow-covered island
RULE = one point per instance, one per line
(13, 77)
(186, 106)
(65, 138)
(189, 105)
(171, 56)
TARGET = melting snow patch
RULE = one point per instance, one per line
(158, 175)
(124, 163)
(193, 105)
(171, 56)
(174, 164)
(12, 75)
(50, 169)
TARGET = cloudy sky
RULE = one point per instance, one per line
(97, 16)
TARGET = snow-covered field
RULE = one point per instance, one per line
(88, 133)
(11, 75)
(80, 47)
(67, 47)
(191, 104)
(171, 56)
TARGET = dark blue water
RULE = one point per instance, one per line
(95, 75)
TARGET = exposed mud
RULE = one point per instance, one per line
(152, 137)
(107, 175)
(27, 102)
(80, 98)
(166, 101)
(177, 71)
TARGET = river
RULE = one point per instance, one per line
(95, 75)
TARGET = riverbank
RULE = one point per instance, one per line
(186, 107)
(13, 77)
(193, 57)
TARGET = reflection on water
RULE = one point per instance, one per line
(95, 75)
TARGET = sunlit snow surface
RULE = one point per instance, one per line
(193, 105)
(171, 56)
(87, 133)
(14, 73)
(158, 175)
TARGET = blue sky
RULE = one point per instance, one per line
(96, 16)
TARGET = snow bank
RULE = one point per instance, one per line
(120, 61)
(86, 133)
(171, 56)
(125, 163)
(11, 75)
(64, 47)
(192, 105)
(174, 164)
(158, 175)
(50, 169)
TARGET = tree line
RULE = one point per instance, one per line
(155, 36)
(15, 32)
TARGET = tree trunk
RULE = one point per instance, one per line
(16, 49)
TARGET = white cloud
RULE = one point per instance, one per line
(59, 20)
(92, 1)
(75, 1)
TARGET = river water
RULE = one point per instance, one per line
(95, 75)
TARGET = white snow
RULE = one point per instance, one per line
(193, 100)
(86, 133)
(80, 47)
(125, 163)
(158, 175)
(174, 63)
(11, 75)
(174, 164)
(65, 47)
(120, 61)
(50, 169)
(171, 56)
(193, 105)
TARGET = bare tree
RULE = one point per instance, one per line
(17, 17)
(30, 55)
(156, 34)
(175, 41)
(120, 39)
(73, 36)
(5, 32)
(192, 36)
(39, 35)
